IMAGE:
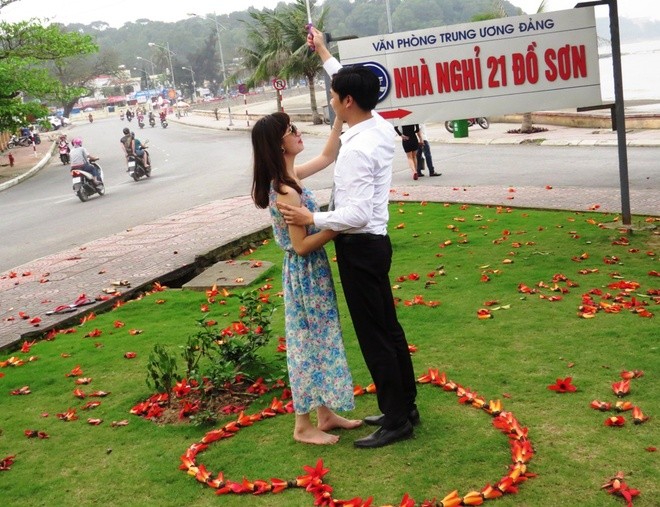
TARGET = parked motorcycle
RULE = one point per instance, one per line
(83, 182)
(16, 141)
(136, 169)
(481, 121)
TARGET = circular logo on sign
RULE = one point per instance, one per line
(383, 78)
(279, 84)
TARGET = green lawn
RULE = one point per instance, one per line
(450, 261)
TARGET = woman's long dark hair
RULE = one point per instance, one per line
(269, 164)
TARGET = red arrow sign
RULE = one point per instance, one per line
(394, 113)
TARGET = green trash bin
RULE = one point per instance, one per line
(460, 128)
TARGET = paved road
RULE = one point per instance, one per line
(42, 215)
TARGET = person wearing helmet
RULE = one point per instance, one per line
(133, 146)
(81, 158)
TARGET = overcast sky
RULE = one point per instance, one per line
(117, 12)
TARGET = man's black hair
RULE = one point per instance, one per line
(360, 83)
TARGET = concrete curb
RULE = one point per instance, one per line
(15, 181)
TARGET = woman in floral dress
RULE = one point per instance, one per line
(318, 372)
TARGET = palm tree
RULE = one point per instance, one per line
(265, 55)
(301, 61)
(278, 47)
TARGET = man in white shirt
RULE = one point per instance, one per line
(362, 179)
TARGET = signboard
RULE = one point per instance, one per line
(499, 66)
(279, 84)
(242, 88)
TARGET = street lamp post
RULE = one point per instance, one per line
(169, 59)
(222, 60)
(153, 65)
(192, 75)
(146, 76)
(389, 16)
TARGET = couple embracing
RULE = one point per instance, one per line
(357, 222)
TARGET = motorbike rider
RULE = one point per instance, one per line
(152, 118)
(133, 146)
(140, 117)
(81, 158)
(63, 145)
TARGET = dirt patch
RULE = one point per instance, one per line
(219, 403)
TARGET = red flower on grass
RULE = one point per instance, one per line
(617, 486)
(563, 385)
(6, 463)
(615, 421)
(603, 406)
(638, 416)
(621, 388)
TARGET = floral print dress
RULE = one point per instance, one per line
(316, 359)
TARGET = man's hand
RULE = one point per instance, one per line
(295, 215)
(316, 40)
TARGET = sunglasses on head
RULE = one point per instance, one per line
(291, 129)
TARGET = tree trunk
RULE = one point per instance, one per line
(527, 127)
(317, 119)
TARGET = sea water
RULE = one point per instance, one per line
(640, 64)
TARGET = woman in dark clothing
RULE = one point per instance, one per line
(410, 143)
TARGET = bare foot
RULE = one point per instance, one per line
(314, 436)
(333, 421)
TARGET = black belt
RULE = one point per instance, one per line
(359, 237)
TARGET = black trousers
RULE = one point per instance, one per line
(364, 263)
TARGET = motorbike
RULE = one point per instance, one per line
(140, 122)
(152, 121)
(163, 123)
(83, 182)
(64, 154)
(136, 169)
(129, 116)
(121, 116)
(481, 121)
(90, 118)
(16, 141)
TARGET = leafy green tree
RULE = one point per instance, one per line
(76, 74)
(25, 50)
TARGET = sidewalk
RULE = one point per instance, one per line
(130, 261)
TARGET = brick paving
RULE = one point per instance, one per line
(188, 241)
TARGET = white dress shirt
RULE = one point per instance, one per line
(363, 176)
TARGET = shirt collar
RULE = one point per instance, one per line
(357, 128)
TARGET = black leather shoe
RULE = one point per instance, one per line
(377, 420)
(382, 437)
(436, 174)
